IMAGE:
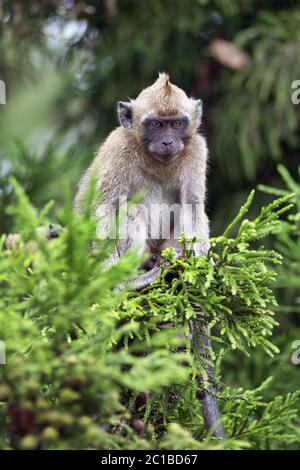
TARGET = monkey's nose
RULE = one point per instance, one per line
(168, 143)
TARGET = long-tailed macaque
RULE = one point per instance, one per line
(157, 151)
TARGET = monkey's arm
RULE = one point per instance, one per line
(135, 237)
(129, 229)
(194, 219)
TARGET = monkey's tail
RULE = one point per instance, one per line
(210, 407)
(211, 414)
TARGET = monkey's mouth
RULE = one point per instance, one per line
(165, 154)
(166, 157)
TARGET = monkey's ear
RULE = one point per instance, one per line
(125, 113)
(199, 110)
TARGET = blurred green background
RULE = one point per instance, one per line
(66, 64)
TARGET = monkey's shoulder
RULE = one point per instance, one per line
(117, 162)
(200, 145)
(119, 144)
(196, 156)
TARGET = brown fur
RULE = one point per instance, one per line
(124, 167)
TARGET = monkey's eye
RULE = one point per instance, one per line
(155, 124)
(176, 124)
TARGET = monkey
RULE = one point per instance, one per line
(157, 149)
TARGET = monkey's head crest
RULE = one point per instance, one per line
(162, 98)
(164, 82)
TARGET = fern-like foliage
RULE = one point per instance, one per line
(231, 284)
(288, 239)
(250, 418)
(89, 366)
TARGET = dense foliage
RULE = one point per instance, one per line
(90, 366)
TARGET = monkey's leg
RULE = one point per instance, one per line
(209, 402)
(153, 264)
(144, 280)
(139, 243)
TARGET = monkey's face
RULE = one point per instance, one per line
(165, 137)
(163, 118)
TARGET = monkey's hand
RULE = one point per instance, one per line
(152, 262)
(152, 266)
